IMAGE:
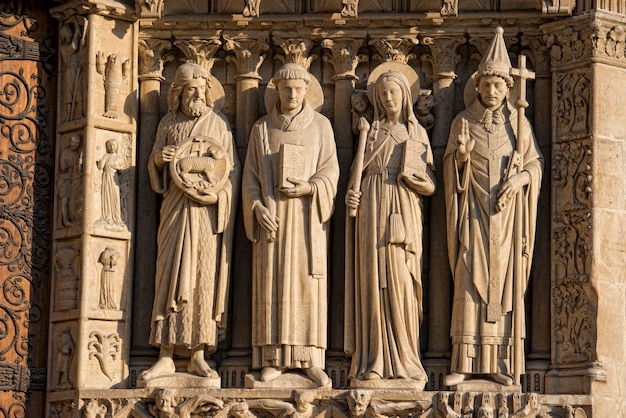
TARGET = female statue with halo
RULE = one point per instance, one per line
(392, 171)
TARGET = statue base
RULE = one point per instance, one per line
(394, 384)
(291, 379)
(180, 380)
(484, 385)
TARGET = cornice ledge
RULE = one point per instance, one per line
(109, 8)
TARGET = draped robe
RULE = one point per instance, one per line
(482, 247)
(384, 282)
(194, 243)
(289, 275)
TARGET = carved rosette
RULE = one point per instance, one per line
(295, 50)
(249, 52)
(394, 49)
(202, 52)
(443, 55)
(153, 54)
(344, 57)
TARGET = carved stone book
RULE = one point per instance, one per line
(413, 159)
(291, 164)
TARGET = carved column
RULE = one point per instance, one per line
(95, 211)
(444, 58)
(588, 209)
(248, 54)
(153, 53)
(343, 56)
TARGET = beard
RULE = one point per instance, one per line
(194, 108)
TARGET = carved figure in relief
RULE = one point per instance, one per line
(361, 108)
(109, 259)
(425, 103)
(289, 186)
(304, 407)
(391, 174)
(72, 36)
(167, 405)
(65, 354)
(114, 72)
(69, 180)
(350, 8)
(66, 281)
(492, 176)
(361, 404)
(196, 228)
(111, 164)
(93, 410)
(251, 8)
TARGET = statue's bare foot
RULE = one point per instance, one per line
(317, 375)
(164, 365)
(198, 365)
(453, 379)
(502, 378)
(372, 376)
(270, 373)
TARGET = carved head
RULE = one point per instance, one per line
(111, 146)
(189, 91)
(66, 33)
(165, 402)
(292, 82)
(492, 90)
(75, 142)
(358, 401)
(304, 400)
(359, 101)
(392, 94)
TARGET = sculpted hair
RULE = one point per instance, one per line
(291, 71)
(505, 77)
(184, 74)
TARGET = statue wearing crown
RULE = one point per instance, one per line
(492, 177)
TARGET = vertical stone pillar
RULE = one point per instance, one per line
(588, 209)
(343, 57)
(248, 54)
(444, 58)
(152, 55)
(94, 218)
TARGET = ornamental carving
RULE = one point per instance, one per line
(106, 349)
(295, 50)
(153, 54)
(572, 105)
(570, 44)
(200, 51)
(443, 54)
(249, 52)
(114, 71)
(73, 40)
(66, 262)
(343, 56)
(571, 176)
(394, 49)
(109, 258)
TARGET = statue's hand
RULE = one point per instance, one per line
(422, 185)
(353, 199)
(166, 154)
(464, 143)
(209, 198)
(364, 125)
(300, 188)
(265, 218)
(511, 187)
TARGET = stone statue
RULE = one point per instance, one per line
(196, 228)
(391, 173)
(167, 405)
(72, 35)
(492, 176)
(71, 170)
(110, 164)
(361, 108)
(109, 258)
(114, 72)
(65, 354)
(289, 186)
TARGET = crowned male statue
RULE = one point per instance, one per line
(194, 166)
(492, 176)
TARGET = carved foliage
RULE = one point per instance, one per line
(570, 44)
(249, 53)
(296, 50)
(151, 8)
(394, 49)
(153, 54)
(106, 349)
(199, 51)
(344, 56)
(444, 56)
(573, 296)
(572, 108)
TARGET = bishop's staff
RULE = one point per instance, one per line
(521, 251)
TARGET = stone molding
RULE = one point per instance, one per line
(110, 8)
(153, 54)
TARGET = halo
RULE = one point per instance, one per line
(216, 91)
(470, 94)
(409, 73)
(314, 95)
